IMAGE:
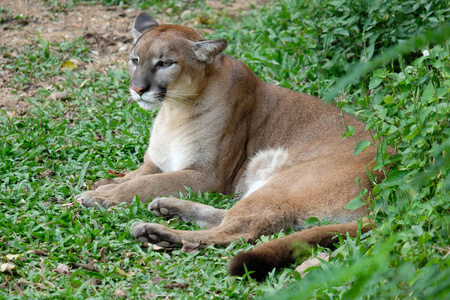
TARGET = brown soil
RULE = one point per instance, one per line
(105, 29)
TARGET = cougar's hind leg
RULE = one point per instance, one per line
(248, 219)
(166, 237)
(187, 211)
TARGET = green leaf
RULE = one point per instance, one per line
(379, 73)
(341, 31)
(313, 221)
(413, 132)
(395, 178)
(388, 99)
(370, 175)
(428, 93)
(361, 146)
(354, 204)
(374, 82)
(349, 131)
(357, 202)
(417, 229)
(82, 175)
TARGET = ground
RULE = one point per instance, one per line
(105, 29)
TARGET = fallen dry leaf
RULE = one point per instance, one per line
(128, 254)
(190, 247)
(95, 281)
(115, 173)
(11, 257)
(38, 252)
(120, 293)
(85, 267)
(157, 279)
(39, 285)
(43, 286)
(149, 295)
(102, 254)
(84, 83)
(21, 280)
(58, 96)
(68, 65)
(312, 262)
(62, 269)
(7, 268)
(19, 288)
(158, 248)
(176, 285)
(204, 20)
(72, 142)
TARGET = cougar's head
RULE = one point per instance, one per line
(168, 62)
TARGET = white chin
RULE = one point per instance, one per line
(148, 105)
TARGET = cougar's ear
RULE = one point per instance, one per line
(207, 50)
(142, 22)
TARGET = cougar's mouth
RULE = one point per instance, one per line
(162, 93)
(147, 101)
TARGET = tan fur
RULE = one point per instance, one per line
(216, 116)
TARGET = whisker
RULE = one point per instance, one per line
(184, 94)
(180, 96)
(181, 93)
(174, 101)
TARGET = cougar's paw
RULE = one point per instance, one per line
(94, 198)
(164, 207)
(155, 234)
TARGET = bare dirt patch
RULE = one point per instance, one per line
(106, 30)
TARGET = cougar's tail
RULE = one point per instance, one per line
(280, 252)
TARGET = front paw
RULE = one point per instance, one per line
(94, 198)
(155, 234)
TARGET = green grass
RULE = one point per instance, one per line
(59, 147)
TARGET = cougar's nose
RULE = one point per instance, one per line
(139, 90)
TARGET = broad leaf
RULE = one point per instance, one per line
(361, 146)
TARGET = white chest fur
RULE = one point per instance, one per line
(174, 145)
(172, 151)
(172, 156)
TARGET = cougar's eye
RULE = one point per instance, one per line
(135, 61)
(165, 64)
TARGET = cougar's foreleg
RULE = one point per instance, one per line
(147, 187)
(187, 211)
(108, 183)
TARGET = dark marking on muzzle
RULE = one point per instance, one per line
(163, 92)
